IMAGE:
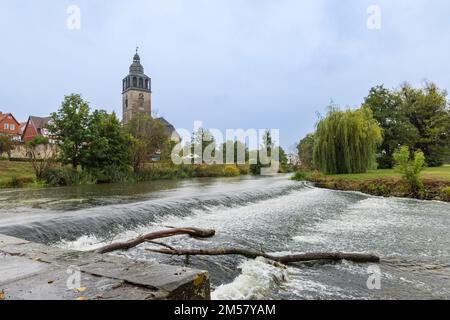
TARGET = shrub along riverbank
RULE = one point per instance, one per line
(21, 174)
(385, 182)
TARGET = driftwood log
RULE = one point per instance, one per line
(251, 254)
(193, 232)
(325, 256)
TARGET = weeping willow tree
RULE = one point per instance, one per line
(346, 141)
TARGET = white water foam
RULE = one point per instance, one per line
(84, 243)
(312, 239)
(256, 281)
(303, 287)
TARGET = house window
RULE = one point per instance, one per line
(6, 125)
(13, 127)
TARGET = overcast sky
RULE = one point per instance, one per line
(229, 63)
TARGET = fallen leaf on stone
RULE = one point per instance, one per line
(2, 295)
(82, 289)
(51, 281)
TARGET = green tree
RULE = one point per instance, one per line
(239, 154)
(410, 168)
(69, 128)
(346, 141)
(6, 145)
(203, 141)
(166, 151)
(40, 154)
(149, 138)
(282, 158)
(305, 151)
(428, 111)
(108, 144)
(388, 109)
(268, 143)
(262, 158)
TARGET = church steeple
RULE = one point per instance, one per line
(136, 66)
(136, 79)
(136, 90)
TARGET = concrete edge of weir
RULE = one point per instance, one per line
(32, 271)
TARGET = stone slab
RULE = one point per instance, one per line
(31, 271)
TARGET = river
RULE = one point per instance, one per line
(273, 214)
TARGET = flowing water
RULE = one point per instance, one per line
(273, 214)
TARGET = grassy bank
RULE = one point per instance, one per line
(386, 183)
(21, 174)
(16, 174)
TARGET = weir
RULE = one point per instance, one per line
(271, 214)
(31, 271)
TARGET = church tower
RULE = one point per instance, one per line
(137, 91)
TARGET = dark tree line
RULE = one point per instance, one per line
(415, 117)
(418, 118)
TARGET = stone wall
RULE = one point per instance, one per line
(20, 152)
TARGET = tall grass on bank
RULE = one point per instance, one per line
(66, 176)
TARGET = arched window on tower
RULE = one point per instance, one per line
(134, 82)
(146, 84)
(141, 83)
(124, 84)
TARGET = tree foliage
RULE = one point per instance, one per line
(410, 168)
(95, 141)
(388, 110)
(69, 127)
(428, 111)
(40, 153)
(203, 146)
(305, 152)
(107, 144)
(346, 141)
(267, 156)
(282, 159)
(234, 152)
(6, 145)
(149, 137)
(416, 117)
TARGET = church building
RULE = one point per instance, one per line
(137, 96)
